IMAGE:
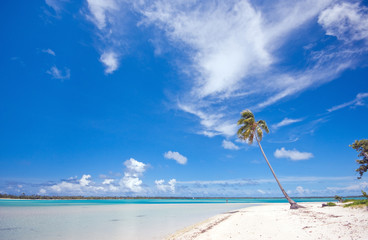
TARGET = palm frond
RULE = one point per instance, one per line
(259, 133)
(247, 114)
(251, 138)
(245, 121)
(242, 129)
(262, 124)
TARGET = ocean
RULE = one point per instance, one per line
(112, 219)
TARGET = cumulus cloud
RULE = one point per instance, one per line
(358, 101)
(170, 186)
(347, 21)
(73, 186)
(285, 122)
(134, 170)
(58, 74)
(293, 155)
(229, 145)
(301, 191)
(110, 60)
(129, 183)
(108, 181)
(85, 180)
(176, 156)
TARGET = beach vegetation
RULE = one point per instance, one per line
(331, 204)
(356, 203)
(361, 146)
(338, 198)
(251, 129)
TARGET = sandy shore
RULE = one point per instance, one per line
(277, 221)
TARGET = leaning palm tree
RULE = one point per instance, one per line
(251, 129)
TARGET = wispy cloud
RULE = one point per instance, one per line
(229, 145)
(59, 74)
(357, 186)
(293, 155)
(176, 156)
(56, 5)
(232, 49)
(309, 179)
(285, 122)
(99, 11)
(358, 101)
(49, 51)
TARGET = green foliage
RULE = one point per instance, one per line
(331, 204)
(356, 202)
(365, 194)
(249, 128)
(338, 198)
(361, 146)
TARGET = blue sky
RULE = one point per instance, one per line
(141, 98)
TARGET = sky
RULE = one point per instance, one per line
(141, 98)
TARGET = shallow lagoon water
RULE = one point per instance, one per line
(109, 219)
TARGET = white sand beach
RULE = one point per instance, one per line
(277, 221)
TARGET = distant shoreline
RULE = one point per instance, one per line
(39, 197)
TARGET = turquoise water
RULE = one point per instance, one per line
(41, 203)
(133, 219)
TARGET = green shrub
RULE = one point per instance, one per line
(357, 202)
(331, 204)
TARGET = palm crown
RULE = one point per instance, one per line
(250, 128)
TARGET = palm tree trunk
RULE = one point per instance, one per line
(293, 205)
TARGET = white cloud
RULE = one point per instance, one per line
(57, 5)
(99, 10)
(59, 74)
(110, 60)
(85, 180)
(347, 21)
(108, 181)
(49, 51)
(129, 183)
(232, 49)
(231, 53)
(358, 187)
(135, 167)
(134, 170)
(301, 191)
(285, 122)
(294, 154)
(74, 186)
(170, 186)
(229, 145)
(214, 124)
(176, 156)
(42, 191)
(261, 191)
(358, 101)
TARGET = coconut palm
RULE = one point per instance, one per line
(250, 130)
